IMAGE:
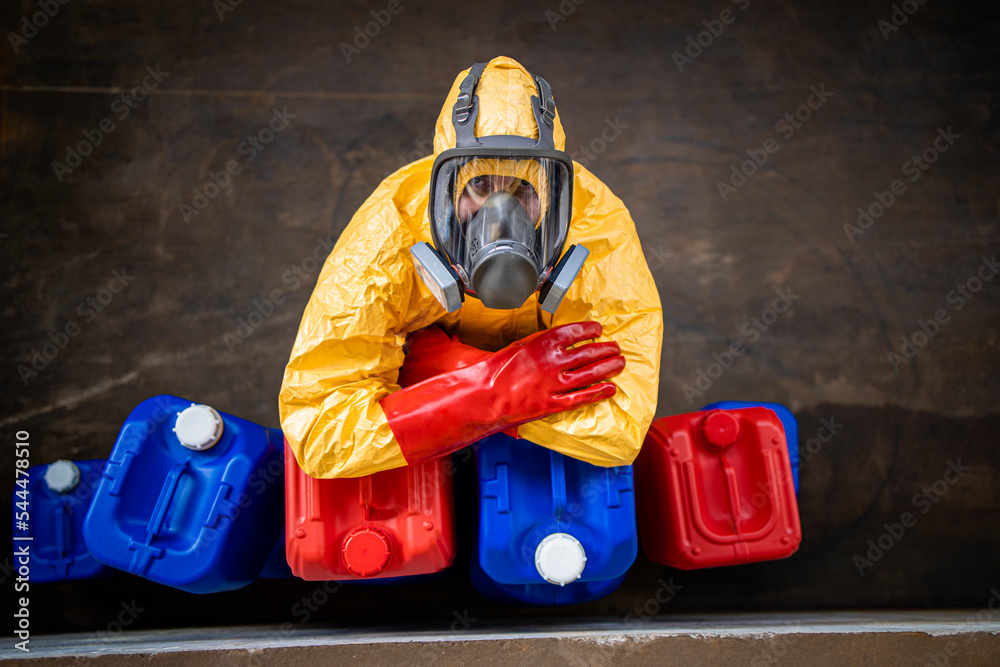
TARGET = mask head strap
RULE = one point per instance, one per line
(466, 110)
(463, 116)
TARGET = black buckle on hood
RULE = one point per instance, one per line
(466, 106)
(466, 109)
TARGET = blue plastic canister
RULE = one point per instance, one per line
(190, 497)
(541, 594)
(276, 565)
(48, 518)
(788, 421)
(547, 520)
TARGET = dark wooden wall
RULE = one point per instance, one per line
(717, 263)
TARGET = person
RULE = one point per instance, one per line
(486, 267)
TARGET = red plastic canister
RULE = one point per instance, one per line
(716, 488)
(394, 523)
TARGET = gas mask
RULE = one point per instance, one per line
(499, 211)
(501, 242)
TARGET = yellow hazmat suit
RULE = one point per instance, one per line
(349, 347)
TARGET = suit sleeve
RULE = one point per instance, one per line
(349, 348)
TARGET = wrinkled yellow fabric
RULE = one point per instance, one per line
(349, 347)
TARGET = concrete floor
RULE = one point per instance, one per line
(885, 638)
(717, 263)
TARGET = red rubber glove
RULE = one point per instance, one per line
(527, 380)
(430, 352)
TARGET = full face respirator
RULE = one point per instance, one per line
(499, 210)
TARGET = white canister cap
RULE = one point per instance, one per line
(198, 427)
(62, 476)
(560, 559)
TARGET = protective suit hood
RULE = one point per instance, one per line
(505, 91)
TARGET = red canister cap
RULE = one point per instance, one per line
(367, 551)
(720, 428)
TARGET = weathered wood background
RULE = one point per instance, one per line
(717, 262)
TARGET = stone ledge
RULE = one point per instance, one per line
(887, 638)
